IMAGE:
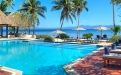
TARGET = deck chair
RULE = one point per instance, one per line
(105, 37)
(98, 37)
(110, 56)
(114, 49)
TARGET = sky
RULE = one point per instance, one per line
(100, 13)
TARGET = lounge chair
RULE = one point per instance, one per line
(114, 50)
(105, 37)
(98, 37)
(110, 56)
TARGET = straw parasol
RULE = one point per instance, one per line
(78, 28)
(101, 28)
(19, 19)
(4, 20)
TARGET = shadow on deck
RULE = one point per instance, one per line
(93, 65)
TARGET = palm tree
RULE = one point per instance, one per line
(80, 5)
(113, 2)
(6, 4)
(116, 29)
(67, 7)
(33, 8)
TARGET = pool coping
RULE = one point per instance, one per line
(68, 68)
(11, 70)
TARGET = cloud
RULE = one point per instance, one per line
(85, 20)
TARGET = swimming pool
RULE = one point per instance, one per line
(41, 58)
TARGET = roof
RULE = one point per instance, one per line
(4, 20)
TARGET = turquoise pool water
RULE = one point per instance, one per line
(41, 58)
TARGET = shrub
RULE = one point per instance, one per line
(119, 37)
(41, 36)
(116, 29)
(48, 39)
(63, 36)
(87, 35)
(37, 37)
(114, 38)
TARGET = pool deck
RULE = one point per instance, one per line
(93, 65)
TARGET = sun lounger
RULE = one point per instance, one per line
(118, 51)
(118, 47)
(107, 56)
(111, 57)
(114, 49)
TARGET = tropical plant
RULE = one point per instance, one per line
(80, 5)
(33, 8)
(113, 2)
(63, 36)
(114, 38)
(48, 39)
(6, 4)
(41, 36)
(67, 7)
(87, 35)
(116, 29)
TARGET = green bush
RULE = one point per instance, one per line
(87, 35)
(48, 39)
(41, 36)
(37, 37)
(119, 37)
(63, 36)
(114, 38)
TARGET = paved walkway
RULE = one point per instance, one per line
(93, 65)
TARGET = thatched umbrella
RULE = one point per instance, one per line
(20, 20)
(4, 21)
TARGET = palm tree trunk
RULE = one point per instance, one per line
(61, 24)
(78, 20)
(78, 26)
(33, 32)
(113, 14)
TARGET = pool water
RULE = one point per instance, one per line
(41, 58)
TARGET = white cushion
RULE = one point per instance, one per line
(117, 50)
(112, 55)
(118, 47)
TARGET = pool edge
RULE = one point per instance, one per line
(68, 68)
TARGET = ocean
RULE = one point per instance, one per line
(72, 33)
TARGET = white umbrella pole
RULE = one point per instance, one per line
(76, 33)
(101, 33)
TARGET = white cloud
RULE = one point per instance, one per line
(85, 20)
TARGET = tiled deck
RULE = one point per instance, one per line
(93, 65)
(5, 73)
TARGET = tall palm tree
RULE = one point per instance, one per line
(67, 7)
(80, 5)
(33, 8)
(113, 2)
